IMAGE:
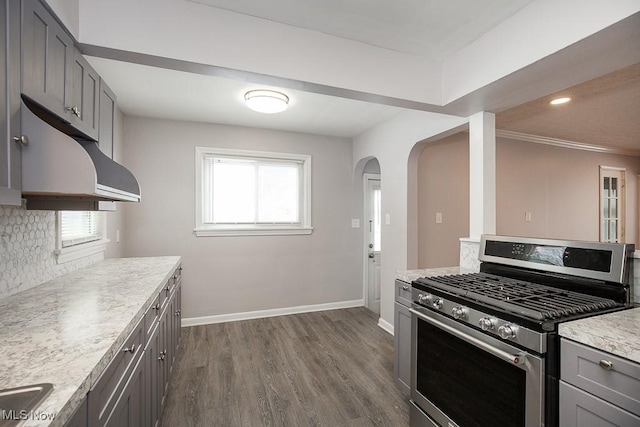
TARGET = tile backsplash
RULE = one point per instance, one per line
(27, 242)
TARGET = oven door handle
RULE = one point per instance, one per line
(516, 359)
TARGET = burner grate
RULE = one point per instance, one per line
(529, 299)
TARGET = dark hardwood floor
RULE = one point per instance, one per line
(330, 368)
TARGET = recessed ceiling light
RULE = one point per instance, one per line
(266, 101)
(559, 101)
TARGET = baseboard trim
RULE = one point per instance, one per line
(233, 317)
(385, 325)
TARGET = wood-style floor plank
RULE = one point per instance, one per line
(331, 368)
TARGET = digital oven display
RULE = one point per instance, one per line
(563, 256)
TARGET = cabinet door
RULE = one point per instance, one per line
(163, 370)
(402, 348)
(10, 104)
(581, 409)
(47, 52)
(129, 409)
(107, 119)
(84, 99)
(152, 364)
(79, 417)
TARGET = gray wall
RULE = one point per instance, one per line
(560, 187)
(443, 186)
(225, 275)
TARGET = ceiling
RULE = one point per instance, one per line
(434, 29)
(603, 112)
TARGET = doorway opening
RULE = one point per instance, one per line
(372, 239)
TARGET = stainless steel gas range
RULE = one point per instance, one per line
(485, 347)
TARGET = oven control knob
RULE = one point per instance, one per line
(425, 299)
(487, 323)
(507, 331)
(438, 303)
(459, 312)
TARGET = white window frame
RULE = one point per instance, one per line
(609, 171)
(203, 229)
(81, 249)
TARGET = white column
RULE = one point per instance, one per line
(482, 175)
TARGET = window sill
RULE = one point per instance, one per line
(207, 232)
(83, 250)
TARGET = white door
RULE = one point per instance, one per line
(373, 240)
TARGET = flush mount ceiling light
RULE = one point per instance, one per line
(559, 101)
(266, 101)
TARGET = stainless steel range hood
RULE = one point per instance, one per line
(63, 173)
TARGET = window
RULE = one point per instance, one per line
(612, 204)
(79, 234)
(242, 192)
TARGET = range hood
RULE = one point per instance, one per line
(63, 173)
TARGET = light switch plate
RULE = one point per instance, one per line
(387, 219)
(355, 223)
(438, 217)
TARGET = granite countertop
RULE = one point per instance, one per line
(411, 275)
(66, 331)
(615, 333)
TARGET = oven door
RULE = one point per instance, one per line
(461, 377)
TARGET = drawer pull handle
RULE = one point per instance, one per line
(405, 288)
(605, 364)
(131, 349)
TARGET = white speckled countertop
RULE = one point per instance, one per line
(411, 275)
(65, 331)
(616, 333)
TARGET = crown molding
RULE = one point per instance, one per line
(564, 143)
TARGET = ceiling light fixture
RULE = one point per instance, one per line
(559, 101)
(266, 101)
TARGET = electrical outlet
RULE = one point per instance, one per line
(387, 219)
(355, 223)
(527, 216)
(438, 217)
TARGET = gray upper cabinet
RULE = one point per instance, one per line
(55, 75)
(10, 104)
(84, 106)
(48, 53)
(107, 119)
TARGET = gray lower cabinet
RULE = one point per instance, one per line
(597, 389)
(79, 417)
(132, 389)
(10, 104)
(105, 396)
(129, 408)
(402, 337)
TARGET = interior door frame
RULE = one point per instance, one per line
(366, 177)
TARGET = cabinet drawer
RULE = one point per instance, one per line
(581, 409)
(582, 366)
(403, 293)
(103, 395)
(151, 316)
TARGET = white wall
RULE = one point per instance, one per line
(391, 144)
(225, 275)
